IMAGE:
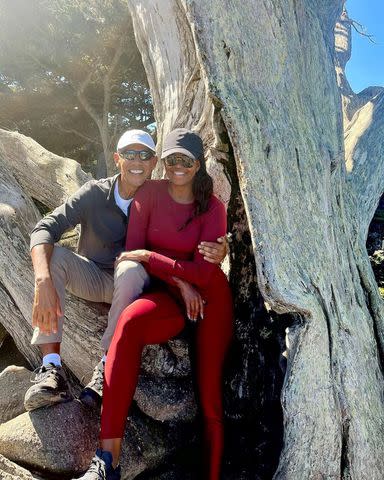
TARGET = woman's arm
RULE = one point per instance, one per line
(196, 271)
(136, 239)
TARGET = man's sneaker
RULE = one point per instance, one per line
(101, 468)
(51, 386)
(92, 393)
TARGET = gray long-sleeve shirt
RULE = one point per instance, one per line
(103, 224)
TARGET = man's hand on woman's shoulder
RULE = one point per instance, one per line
(215, 252)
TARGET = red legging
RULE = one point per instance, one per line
(155, 318)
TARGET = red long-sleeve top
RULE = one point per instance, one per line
(154, 224)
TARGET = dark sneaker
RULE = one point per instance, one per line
(51, 386)
(93, 392)
(101, 468)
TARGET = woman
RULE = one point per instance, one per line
(168, 219)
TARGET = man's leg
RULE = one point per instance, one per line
(130, 280)
(84, 279)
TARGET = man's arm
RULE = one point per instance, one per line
(72, 212)
(196, 270)
(46, 305)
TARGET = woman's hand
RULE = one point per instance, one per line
(194, 304)
(141, 256)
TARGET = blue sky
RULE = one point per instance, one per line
(366, 66)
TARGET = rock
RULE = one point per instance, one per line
(14, 382)
(173, 474)
(176, 472)
(60, 439)
(149, 444)
(10, 355)
(170, 359)
(19, 329)
(144, 446)
(166, 399)
(11, 471)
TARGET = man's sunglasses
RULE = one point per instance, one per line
(173, 160)
(132, 154)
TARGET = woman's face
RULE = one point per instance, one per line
(181, 169)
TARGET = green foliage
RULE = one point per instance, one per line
(71, 75)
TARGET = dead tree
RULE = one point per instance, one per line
(258, 81)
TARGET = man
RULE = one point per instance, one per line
(101, 208)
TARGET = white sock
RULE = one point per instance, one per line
(104, 359)
(52, 358)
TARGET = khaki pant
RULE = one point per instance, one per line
(83, 278)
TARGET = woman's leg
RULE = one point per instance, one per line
(214, 334)
(153, 318)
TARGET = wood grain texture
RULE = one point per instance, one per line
(268, 70)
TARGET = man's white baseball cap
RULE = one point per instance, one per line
(135, 136)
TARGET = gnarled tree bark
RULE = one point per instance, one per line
(258, 82)
(263, 76)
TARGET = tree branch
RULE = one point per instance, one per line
(358, 27)
(79, 134)
(84, 101)
(364, 151)
(107, 79)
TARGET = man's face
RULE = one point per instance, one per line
(133, 168)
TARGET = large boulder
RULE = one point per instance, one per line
(166, 399)
(11, 471)
(145, 445)
(14, 382)
(168, 359)
(10, 354)
(60, 439)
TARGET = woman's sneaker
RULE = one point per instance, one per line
(51, 387)
(101, 468)
(92, 393)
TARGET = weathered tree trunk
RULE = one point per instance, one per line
(263, 76)
(29, 171)
(257, 80)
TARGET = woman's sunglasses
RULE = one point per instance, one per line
(132, 154)
(173, 160)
